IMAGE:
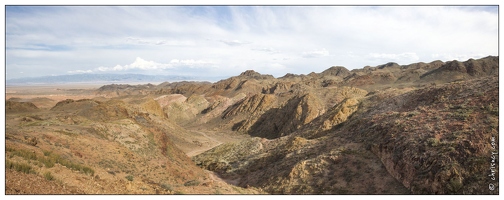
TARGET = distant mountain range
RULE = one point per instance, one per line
(99, 78)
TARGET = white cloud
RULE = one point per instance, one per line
(234, 42)
(139, 63)
(459, 57)
(316, 53)
(267, 50)
(408, 56)
(80, 71)
(191, 63)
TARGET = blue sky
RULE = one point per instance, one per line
(226, 40)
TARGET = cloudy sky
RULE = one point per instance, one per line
(226, 40)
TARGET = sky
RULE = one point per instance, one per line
(223, 41)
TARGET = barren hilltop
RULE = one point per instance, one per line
(423, 128)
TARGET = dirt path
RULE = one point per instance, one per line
(203, 149)
(210, 138)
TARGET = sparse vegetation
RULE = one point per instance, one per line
(129, 177)
(433, 142)
(167, 187)
(66, 133)
(412, 114)
(29, 155)
(87, 170)
(48, 176)
(55, 158)
(455, 184)
(46, 153)
(192, 183)
(49, 159)
(20, 167)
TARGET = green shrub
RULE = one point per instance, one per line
(47, 162)
(49, 159)
(167, 187)
(433, 142)
(46, 153)
(455, 184)
(88, 171)
(74, 166)
(129, 177)
(192, 183)
(48, 176)
(22, 153)
(461, 112)
(20, 167)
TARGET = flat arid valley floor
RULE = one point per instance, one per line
(423, 128)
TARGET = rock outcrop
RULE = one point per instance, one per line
(427, 143)
(253, 106)
(181, 109)
(13, 106)
(456, 71)
(336, 71)
(255, 75)
(296, 112)
(340, 113)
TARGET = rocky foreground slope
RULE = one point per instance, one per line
(120, 146)
(423, 128)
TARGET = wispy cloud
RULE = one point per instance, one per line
(139, 41)
(267, 50)
(234, 42)
(409, 56)
(192, 63)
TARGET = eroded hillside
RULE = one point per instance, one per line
(423, 128)
(121, 146)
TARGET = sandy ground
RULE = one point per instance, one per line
(55, 93)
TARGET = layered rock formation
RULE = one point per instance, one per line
(431, 138)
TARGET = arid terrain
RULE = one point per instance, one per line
(422, 128)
